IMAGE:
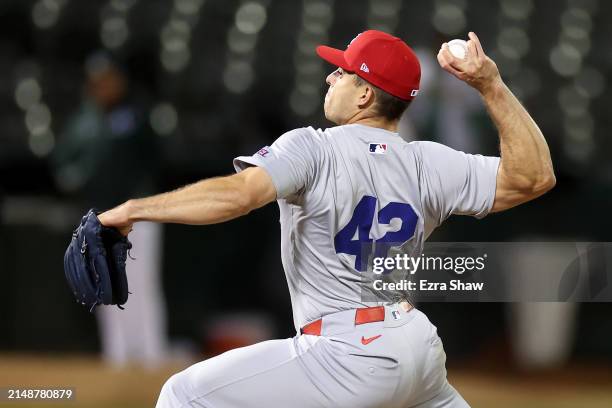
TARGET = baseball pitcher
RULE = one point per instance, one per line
(340, 190)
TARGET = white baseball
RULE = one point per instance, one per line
(458, 48)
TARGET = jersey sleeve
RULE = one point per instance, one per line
(453, 182)
(291, 161)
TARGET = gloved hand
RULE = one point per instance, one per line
(94, 263)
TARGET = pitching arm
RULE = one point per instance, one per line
(526, 169)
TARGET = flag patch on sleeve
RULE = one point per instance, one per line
(378, 148)
(263, 152)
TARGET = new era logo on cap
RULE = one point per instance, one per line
(364, 67)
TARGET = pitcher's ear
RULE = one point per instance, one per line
(366, 96)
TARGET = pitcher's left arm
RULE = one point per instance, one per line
(208, 201)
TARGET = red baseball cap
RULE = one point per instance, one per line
(381, 59)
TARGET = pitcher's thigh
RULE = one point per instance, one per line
(266, 374)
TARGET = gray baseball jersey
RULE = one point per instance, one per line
(353, 191)
(346, 194)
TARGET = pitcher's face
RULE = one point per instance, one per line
(342, 96)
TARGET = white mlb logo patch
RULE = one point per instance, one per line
(378, 148)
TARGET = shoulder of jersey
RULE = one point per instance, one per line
(337, 132)
(310, 132)
(303, 135)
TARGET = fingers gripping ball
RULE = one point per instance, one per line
(458, 48)
(94, 263)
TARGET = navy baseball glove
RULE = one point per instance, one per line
(94, 263)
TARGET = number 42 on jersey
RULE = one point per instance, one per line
(354, 238)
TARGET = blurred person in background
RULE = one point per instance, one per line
(106, 154)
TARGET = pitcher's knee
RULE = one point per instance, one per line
(173, 393)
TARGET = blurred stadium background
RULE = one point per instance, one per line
(216, 79)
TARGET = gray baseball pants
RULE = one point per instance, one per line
(399, 362)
